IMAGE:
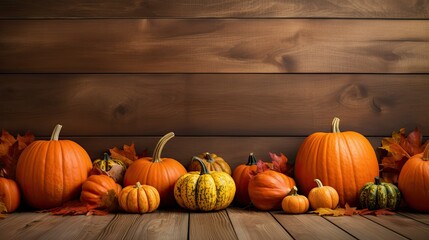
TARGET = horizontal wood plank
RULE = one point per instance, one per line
(402, 225)
(256, 225)
(211, 226)
(214, 46)
(212, 104)
(310, 226)
(215, 8)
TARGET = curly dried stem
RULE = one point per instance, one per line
(160, 145)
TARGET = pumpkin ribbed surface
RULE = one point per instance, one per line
(241, 176)
(95, 187)
(205, 191)
(378, 195)
(139, 198)
(51, 172)
(213, 163)
(9, 194)
(345, 161)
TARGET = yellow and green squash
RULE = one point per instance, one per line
(204, 191)
(378, 195)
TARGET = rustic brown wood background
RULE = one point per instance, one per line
(230, 77)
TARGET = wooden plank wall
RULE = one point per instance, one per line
(230, 77)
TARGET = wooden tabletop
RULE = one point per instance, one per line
(232, 223)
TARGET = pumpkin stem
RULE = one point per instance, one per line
(293, 191)
(336, 125)
(56, 133)
(208, 157)
(160, 145)
(138, 185)
(204, 169)
(377, 181)
(251, 160)
(426, 153)
(318, 182)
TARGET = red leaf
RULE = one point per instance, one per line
(280, 164)
(76, 208)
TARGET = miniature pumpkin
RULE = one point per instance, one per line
(161, 173)
(268, 188)
(51, 172)
(212, 162)
(241, 176)
(139, 198)
(205, 190)
(295, 203)
(100, 191)
(344, 160)
(111, 167)
(413, 181)
(323, 196)
(378, 195)
(9, 194)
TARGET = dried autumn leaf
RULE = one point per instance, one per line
(76, 207)
(377, 212)
(261, 166)
(3, 209)
(350, 211)
(399, 148)
(281, 164)
(127, 155)
(329, 212)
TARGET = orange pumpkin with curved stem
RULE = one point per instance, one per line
(345, 161)
(9, 194)
(413, 181)
(323, 196)
(161, 173)
(51, 172)
(295, 203)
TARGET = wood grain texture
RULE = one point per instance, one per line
(213, 8)
(256, 225)
(404, 226)
(421, 217)
(212, 104)
(210, 226)
(12, 226)
(161, 224)
(362, 228)
(310, 226)
(118, 226)
(214, 46)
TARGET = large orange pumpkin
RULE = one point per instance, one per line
(161, 173)
(268, 189)
(413, 181)
(342, 160)
(241, 176)
(51, 172)
(9, 194)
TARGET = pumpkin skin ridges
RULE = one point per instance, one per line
(377, 195)
(343, 160)
(213, 163)
(139, 199)
(9, 194)
(241, 178)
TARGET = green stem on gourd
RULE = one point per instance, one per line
(251, 160)
(426, 153)
(160, 145)
(318, 182)
(377, 181)
(336, 125)
(56, 133)
(204, 169)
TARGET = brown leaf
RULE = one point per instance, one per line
(127, 155)
(377, 212)
(280, 164)
(329, 212)
(76, 207)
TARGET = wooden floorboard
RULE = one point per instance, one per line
(232, 223)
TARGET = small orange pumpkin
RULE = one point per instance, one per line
(100, 191)
(323, 196)
(213, 163)
(161, 173)
(295, 203)
(51, 172)
(139, 198)
(241, 176)
(9, 194)
(413, 181)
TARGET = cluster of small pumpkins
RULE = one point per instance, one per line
(50, 173)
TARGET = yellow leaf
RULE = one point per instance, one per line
(329, 212)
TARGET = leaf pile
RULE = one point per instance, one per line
(76, 208)
(127, 154)
(349, 211)
(399, 148)
(10, 150)
(278, 164)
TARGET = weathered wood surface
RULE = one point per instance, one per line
(215, 8)
(214, 46)
(212, 104)
(232, 223)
